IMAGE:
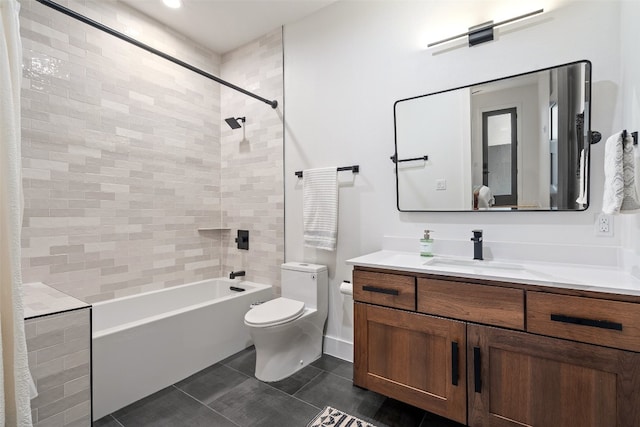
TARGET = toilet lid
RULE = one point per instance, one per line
(274, 312)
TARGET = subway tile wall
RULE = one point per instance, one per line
(252, 185)
(122, 156)
(59, 354)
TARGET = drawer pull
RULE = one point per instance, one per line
(603, 324)
(455, 360)
(380, 290)
(477, 378)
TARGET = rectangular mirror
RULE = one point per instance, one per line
(519, 143)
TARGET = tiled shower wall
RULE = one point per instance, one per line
(59, 360)
(121, 155)
(252, 160)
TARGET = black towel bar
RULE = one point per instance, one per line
(354, 169)
(634, 135)
(395, 159)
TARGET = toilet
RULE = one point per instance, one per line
(287, 331)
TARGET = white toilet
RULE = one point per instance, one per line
(287, 331)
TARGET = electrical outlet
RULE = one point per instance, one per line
(441, 184)
(604, 225)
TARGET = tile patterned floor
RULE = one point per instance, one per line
(228, 395)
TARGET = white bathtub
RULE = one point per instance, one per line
(146, 342)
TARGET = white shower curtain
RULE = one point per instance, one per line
(14, 369)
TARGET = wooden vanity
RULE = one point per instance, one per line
(489, 353)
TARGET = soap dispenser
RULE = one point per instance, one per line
(426, 244)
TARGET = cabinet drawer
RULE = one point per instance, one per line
(597, 321)
(392, 290)
(490, 305)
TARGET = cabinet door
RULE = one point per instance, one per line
(520, 379)
(412, 357)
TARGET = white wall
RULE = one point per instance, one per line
(630, 96)
(445, 139)
(347, 64)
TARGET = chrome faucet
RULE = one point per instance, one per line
(477, 244)
(235, 274)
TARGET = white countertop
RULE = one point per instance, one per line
(41, 300)
(579, 277)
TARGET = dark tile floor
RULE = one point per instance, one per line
(228, 395)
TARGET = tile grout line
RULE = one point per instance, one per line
(205, 405)
(275, 388)
(285, 393)
(306, 384)
(297, 391)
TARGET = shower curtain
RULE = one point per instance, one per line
(15, 409)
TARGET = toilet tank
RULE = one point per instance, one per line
(307, 283)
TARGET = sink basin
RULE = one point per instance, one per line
(471, 263)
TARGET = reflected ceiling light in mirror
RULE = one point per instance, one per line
(484, 32)
(173, 4)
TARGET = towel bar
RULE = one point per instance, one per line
(634, 135)
(354, 169)
(395, 159)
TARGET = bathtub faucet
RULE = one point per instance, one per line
(235, 274)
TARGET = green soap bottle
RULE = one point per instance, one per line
(426, 244)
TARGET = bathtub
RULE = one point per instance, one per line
(144, 343)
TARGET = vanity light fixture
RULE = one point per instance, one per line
(173, 4)
(484, 32)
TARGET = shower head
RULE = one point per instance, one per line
(234, 123)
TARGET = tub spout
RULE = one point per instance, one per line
(235, 274)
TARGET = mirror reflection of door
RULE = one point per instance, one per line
(500, 155)
(553, 155)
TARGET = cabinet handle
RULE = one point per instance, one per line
(380, 290)
(477, 379)
(455, 360)
(603, 324)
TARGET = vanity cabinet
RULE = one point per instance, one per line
(412, 357)
(491, 305)
(521, 379)
(534, 356)
(592, 320)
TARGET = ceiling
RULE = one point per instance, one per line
(223, 25)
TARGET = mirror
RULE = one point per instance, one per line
(519, 143)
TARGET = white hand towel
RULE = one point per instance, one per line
(636, 156)
(320, 207)
(613, 175)
(630, 192)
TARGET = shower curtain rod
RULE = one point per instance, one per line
(109, 30)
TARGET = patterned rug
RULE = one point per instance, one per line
(335, 418)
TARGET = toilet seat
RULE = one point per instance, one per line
(274, 312)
